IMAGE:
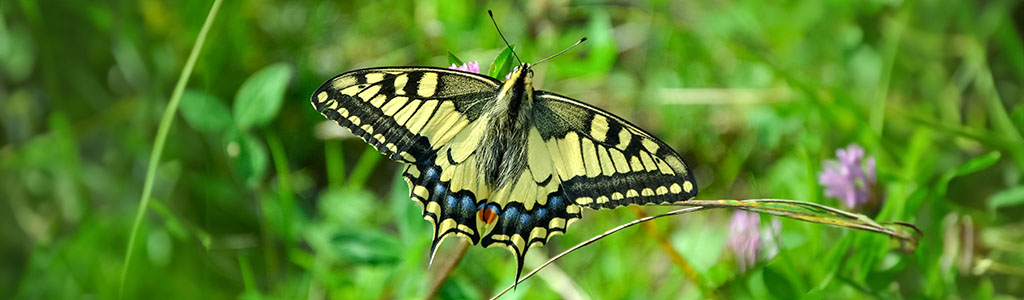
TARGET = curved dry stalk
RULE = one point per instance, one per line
(815, 213)
(804, 211)
(594, 239)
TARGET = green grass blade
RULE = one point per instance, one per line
(161, 138)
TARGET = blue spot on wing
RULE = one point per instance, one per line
(459, 206)
(515, 219)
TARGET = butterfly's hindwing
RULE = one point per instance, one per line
(451, 191)
(605, 161)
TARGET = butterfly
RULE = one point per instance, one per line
(498, 162)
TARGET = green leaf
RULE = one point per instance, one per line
(502, 63)
(259, 99)
(452, 59)
(248, 156)
(1010, 197)
(974, 165)
(204, 111)
(778, 285)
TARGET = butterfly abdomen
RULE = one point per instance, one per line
(503, 154)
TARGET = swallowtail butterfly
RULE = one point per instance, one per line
(498, 162)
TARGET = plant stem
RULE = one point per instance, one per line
(447, 270)
(594, 239)
(804, 211)
(161, 138)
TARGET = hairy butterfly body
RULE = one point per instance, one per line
(500, 163)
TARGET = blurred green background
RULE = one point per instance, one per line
(255, 197)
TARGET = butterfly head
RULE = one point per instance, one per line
(524, 69)
(518, 86)
(514, 97)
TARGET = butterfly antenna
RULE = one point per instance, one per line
(563, 51)
(503, 36)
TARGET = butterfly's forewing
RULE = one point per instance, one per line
(427, 118)
(405, 113)
(606, 162)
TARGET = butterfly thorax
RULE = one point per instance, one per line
(503, 156)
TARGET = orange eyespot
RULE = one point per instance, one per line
(487, 214)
